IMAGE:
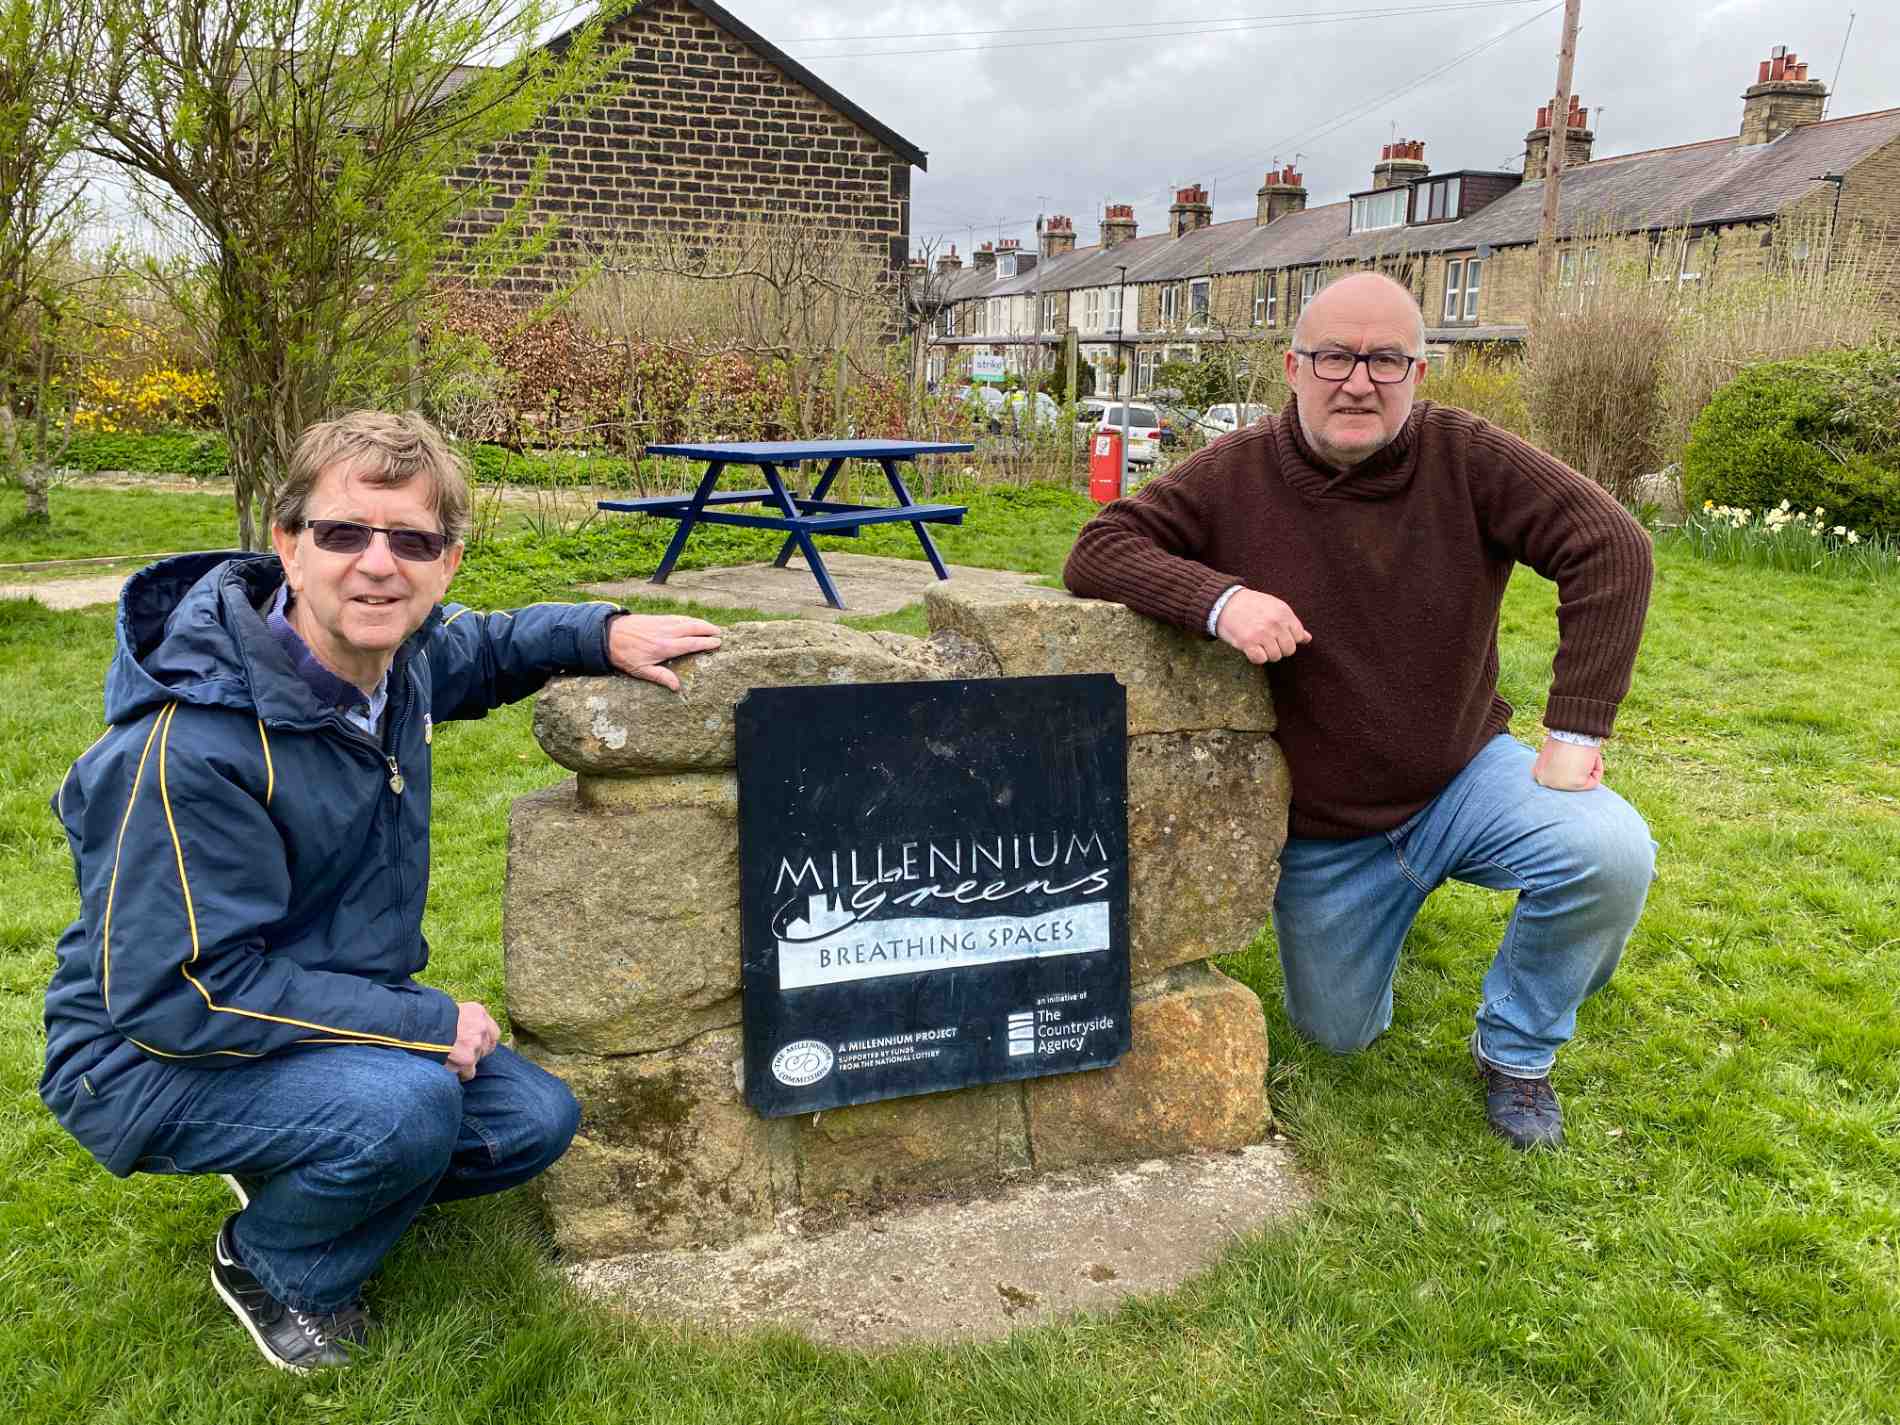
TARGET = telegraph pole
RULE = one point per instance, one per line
(1559, 144)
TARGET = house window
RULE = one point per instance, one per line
(1437, 200)
(1260, 299)
(1144, 372)
(1049, 305)
(1592, 263)
(1379, 210)
(1273, 298)
(996, 316)
(949, 321)
(1567, 268)
(1170, 304)
(1462, 276)
(1693, 254)
(1115, 309)
(1309, 286)
(1092, 310)
(1199, 296)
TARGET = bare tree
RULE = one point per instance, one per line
(317, 151)
(42, 56)
(774, 289)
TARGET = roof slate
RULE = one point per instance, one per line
(1713, 182)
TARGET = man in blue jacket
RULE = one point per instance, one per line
(251, 838)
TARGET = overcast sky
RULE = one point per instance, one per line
(1030, 120)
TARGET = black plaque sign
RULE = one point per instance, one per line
(933, 881)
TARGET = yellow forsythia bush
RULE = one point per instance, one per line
(159, 397)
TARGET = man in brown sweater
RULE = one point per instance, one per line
(1358, 545)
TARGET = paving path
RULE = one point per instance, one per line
(867, 583)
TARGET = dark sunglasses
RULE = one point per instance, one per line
(418, 546)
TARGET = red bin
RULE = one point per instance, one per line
(1105, 465)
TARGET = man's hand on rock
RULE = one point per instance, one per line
(476, 1035)
(639, 644)
(1261, 626)
(1567, 766)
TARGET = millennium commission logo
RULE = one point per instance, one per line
(803, 1061)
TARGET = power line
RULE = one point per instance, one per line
(1371, 12)
(1341, 17)
(1359, 111)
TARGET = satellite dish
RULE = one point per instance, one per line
(1484, 249)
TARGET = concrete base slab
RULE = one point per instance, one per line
(968, 1271)
(869, 584)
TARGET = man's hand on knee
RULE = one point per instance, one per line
(1567, 766)
(1264, 628)
(476, 1035)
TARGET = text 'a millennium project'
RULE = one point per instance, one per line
(845, 917)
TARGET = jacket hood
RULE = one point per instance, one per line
(190, 630)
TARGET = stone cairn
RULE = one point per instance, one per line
(621, 926)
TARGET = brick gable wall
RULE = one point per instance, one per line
(698, 131)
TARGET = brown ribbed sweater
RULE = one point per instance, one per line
(1397, 568)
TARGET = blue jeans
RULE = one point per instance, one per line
(1581, 863)
(343, 1146)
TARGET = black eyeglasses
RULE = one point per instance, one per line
(1387, 368)
(418, 546)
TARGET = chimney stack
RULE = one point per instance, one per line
(1118, 224)
(1191, 210)
(1400, 163)
(985, 258)
(1284, 192)
(1058, 236)
(1578, 137)
(949, 261)
(1781, 98)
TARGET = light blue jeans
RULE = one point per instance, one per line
(342, 1146)
(1581, 863)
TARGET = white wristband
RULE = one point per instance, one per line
(1213, 616)
(1575, 739)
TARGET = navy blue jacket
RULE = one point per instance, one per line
(252, 867)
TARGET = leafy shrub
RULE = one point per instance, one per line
(199, 454)
(145, 400)
(1819, 431)
(1486, 383)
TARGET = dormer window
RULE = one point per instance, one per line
(1006, 264)
(1437, 201)
(1384, 209)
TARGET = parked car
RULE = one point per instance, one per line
(985, 404)
(1016, 410)
(1180, 425)
(1224, 419)
(1144, 430)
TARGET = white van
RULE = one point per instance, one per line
(1227, 418)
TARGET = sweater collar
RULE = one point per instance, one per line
(1383, 474)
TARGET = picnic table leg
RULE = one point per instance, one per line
(791, 543)
(804, 540)
(923, 535)
(687, 521)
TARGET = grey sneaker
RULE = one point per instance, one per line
(291, 1340)
(1523, 1112)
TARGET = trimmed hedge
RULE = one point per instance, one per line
(199, 454)
(202, 455)
(1817, 431)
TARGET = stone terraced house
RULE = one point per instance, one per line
(1463, 240)
(706, 122)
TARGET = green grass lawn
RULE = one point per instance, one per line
(89, 522)
(1720, 1242)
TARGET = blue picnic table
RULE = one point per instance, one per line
(800, 516)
